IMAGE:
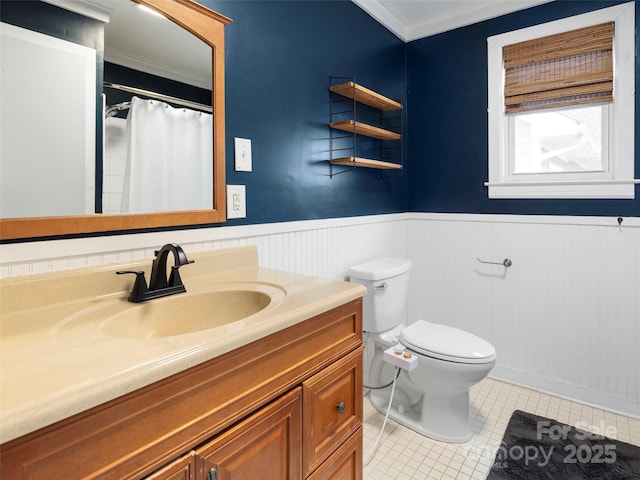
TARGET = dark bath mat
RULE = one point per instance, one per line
(538, 448)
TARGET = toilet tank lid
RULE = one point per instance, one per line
(380, 269)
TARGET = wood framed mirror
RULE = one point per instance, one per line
(208, 26)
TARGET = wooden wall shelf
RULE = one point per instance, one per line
(360, 128)
(365, 162)
(364, 95)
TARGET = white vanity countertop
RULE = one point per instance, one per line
(49, 372)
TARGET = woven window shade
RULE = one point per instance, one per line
(566, 69)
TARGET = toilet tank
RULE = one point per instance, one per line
(387, 282)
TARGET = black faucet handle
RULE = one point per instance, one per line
(139, 288)
(174, 278)
(137, 273)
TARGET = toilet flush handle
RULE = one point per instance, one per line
(382, 286)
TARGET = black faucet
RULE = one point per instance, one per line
(159, 285)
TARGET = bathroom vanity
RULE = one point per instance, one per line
(275, 395)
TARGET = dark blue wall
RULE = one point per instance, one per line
(447, 121)
(278, 59)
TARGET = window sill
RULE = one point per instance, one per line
(564, 189)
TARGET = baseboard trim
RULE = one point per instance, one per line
(575, 393)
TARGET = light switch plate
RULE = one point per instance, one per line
(243, 154)
(236, 201)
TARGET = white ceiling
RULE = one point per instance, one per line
(414, 19)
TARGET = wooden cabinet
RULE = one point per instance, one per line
(181, 469)
(345, 463)
(264, 446)
(389, 128)
(259, 412)
(333, 409)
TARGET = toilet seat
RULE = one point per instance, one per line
(446, 343)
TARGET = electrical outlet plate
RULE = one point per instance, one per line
(243, 154)
(236, 201)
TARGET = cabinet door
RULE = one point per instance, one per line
(265, 446)
(332, 408)
(345, 463)
(181, 469)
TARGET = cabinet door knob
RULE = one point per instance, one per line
(213, 474)
(341, 407)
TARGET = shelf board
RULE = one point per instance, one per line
(365, 129)
(365, 162)
(364, 95)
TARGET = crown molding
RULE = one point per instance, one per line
(456, 17)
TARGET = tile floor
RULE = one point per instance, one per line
(405, 455)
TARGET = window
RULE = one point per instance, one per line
(561, 108)
(562, 141)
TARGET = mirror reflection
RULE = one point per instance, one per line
(130, 134)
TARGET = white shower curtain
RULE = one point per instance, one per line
(169, 159)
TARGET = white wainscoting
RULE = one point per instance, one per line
(564, 318)
(324, 248)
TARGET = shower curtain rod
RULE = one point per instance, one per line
(160, 96)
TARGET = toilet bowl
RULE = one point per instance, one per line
(432, 399)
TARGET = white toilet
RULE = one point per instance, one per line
(432, 399)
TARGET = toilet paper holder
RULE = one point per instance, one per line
(505, 263)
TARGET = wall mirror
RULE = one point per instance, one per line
(195, 23)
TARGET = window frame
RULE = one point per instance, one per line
(615, 182)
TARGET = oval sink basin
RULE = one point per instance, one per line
(178, 315)
(197, 310)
